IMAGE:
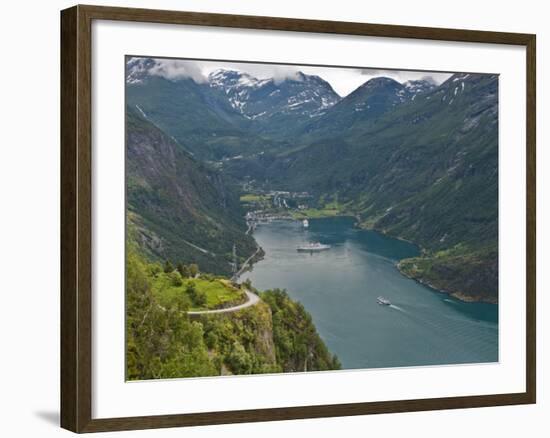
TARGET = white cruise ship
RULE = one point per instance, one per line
(313, 247)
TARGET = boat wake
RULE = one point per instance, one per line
(393, 306)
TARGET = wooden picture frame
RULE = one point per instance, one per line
(76, 217)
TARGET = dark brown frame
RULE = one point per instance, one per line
(76, 225)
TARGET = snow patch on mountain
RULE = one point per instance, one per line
(138, 69)
(256, 98)
(415, 87)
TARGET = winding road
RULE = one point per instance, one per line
(252, 300)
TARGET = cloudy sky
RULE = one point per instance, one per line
(343, 80)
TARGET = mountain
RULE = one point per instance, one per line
(414, 160)
(415, 87)
(425, 170)
(364, 105)
(178, 208)
(227, 114)
(189, 110)
(273, 103)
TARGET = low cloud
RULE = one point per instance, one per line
(378, 72)
(429, 78)
(174, 70)
(343, 80)
(405, 75)
(280, 74)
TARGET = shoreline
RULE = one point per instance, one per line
(459, 295)
(466, 298)
(247, 265)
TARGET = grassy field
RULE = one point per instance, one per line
(316, 213)
(250, 197)
(327, 209)
(254, 201)
(219, 292)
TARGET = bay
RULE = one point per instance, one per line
(339, 288)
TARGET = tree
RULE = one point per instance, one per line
(193, 270)
(211, 340)
(175, 278)
(168, 267)
(191, 290)
(200, 298)
(239, 360)
(155, 269)
(197, 296)
(183, 270)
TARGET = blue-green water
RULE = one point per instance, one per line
(339, 288)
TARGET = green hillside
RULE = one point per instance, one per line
(179, 208)
(196, 116)
(275, 335)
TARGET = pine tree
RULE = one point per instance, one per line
(168, 267)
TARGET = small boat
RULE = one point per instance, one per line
(383, 301)
(313, 247)
(305, 223)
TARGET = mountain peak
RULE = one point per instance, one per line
(222, 78)
(284, 94)
(137, 69)
(417, 86)
(224, 72)
(381, 81)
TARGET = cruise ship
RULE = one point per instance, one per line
(313, 247)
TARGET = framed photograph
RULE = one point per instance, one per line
(268, 219)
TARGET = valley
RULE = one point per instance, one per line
(219, 161)
(415, 161)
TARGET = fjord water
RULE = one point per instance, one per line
(339, 288)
